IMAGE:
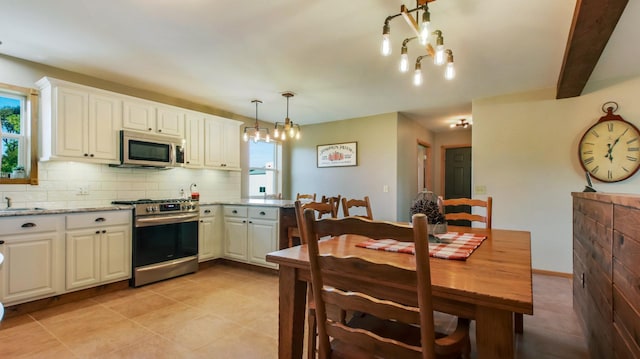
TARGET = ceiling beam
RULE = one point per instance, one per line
(592, 26)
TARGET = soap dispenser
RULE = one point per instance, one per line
(195, 195)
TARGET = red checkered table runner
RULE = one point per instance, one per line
(453, 245)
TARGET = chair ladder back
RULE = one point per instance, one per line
(306, 197)
(336, 203)
(453, 202)
(358, 270)
(365, 203)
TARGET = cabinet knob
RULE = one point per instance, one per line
(97, 232)
(160, 130)
(262, 213)
(86, 155)
(100, 219)
(104, 231)
(1, 242)
(150, 129)
(234, 211)
(28, 225)
(91, 155)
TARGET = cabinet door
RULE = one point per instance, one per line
(71, 112)
(231, 144)
(262, 240)
(138, 115)
(105, 120)
(195, 141)
(115, 253)
(213, 142)
(205, 239)
(83, 258)
(170, 121)
(235, 234)
(30, 269)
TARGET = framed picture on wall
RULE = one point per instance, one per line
(338, 154)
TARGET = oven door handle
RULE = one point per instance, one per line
(171, 219)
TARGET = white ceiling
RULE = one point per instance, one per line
(226, 53)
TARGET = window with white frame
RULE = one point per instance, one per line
(264, 169)
(17, 121)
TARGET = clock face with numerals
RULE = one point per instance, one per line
(610, 150)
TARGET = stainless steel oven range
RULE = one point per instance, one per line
(165, 239)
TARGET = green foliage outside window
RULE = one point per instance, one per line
(10, 121)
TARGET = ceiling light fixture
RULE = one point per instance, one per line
(423, 32)
(461, 123)
(255, 131)
(288, 126)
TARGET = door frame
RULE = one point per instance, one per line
(443, 152)
(427, 166)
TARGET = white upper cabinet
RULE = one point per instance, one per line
(194, 124)
(222, 143)
(79, 122)
(148, 116)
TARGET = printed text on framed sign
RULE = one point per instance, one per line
(338, 155)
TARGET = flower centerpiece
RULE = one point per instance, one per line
(428, 203)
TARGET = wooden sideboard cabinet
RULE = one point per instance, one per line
(606, 272)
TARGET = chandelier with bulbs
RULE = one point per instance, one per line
(256, 132)
(420, 25)
(287, 127)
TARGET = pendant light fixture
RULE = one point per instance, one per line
(287, 127)
(421, 26)
(256, 132)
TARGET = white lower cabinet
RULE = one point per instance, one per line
(98, 248)
(209, 233)
(33, 250)
(250, 233)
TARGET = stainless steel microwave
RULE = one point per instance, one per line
(139, 149)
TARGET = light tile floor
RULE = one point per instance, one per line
(228, 312)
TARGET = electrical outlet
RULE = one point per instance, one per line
(385, 188)
(481, 189)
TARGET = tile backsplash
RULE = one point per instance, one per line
(80, 185)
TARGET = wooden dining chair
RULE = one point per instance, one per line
(378, 327)
(306, 197)
(321, 210)
(455, 210)
(336, 203)
(364, 203)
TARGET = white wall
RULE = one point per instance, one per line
(377, 162)
(525, 153)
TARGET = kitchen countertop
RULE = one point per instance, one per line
(34, 211)
(280, 203)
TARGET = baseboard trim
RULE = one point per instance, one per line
(552, 273)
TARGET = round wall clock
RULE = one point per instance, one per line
(610, 149)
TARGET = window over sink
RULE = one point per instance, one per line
(18, 135)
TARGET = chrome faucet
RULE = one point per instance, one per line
(8, 202)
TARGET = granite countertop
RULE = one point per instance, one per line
(282, 203)
(38, 211)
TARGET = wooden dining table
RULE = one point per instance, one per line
(488, 287)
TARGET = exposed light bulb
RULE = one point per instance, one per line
(450, 71)
(267, 138)
(292, 132)
(386, 41)
(404, 61)
(276, 133)
(245, 137)
(439, 58)
(256, 138)
(424, 27)
(417, 77)
(386, 45)
(283, 136)
(298, 135)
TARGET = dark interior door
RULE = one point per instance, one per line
(457, 179)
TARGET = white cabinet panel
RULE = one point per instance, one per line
(209, 233)
(250, 233)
